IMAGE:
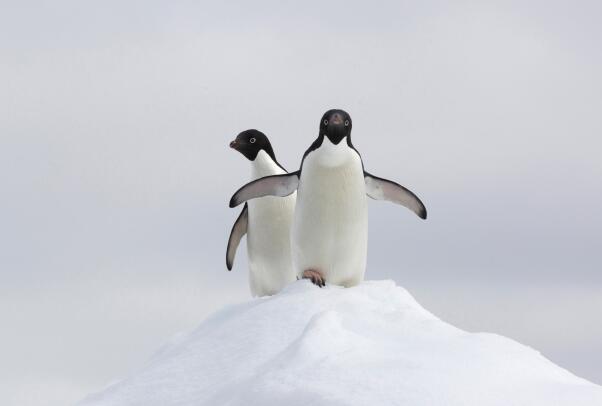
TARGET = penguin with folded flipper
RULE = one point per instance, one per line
(266, 222)
(330, 228)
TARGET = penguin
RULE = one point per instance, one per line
(266, 222)
(330, 229)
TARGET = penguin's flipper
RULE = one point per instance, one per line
(239, 229)
(275, 185)
(384, 189)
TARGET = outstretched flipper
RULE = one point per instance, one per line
(239, 229)
(275, 185)
(383, 189)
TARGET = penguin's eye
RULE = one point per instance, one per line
(252, 140)
(325, 122)
(346, 123)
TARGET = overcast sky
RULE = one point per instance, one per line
(115, 170)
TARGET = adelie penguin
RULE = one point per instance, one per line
(266, 222)
(330, 229)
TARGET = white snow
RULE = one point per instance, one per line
(368, 345)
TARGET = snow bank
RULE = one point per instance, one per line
(368, 345)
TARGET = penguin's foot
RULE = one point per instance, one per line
(315, 277)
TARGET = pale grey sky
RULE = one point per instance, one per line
(115, 170)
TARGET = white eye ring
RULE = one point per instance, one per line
(346, 123)
(325, 122)
(252, 140)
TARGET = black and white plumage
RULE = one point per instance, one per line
(266, 222)
(330, 228)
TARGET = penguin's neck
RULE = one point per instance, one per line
(264, 165)
(331, 155)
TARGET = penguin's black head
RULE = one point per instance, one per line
(250, 142)
(336, 125)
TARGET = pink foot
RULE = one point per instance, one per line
(315, 277)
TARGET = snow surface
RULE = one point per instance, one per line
(368, 345)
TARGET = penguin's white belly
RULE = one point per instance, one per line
(269, 235)
(268, 244)
(330, 228)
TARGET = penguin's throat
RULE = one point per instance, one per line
(336, 136)
(264, 165)
(334, 155)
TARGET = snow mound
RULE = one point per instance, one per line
(368, 345)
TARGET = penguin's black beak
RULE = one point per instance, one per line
(336, 119)
(234, 144)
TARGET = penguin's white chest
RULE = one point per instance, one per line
(268, 235)
(330, 228)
